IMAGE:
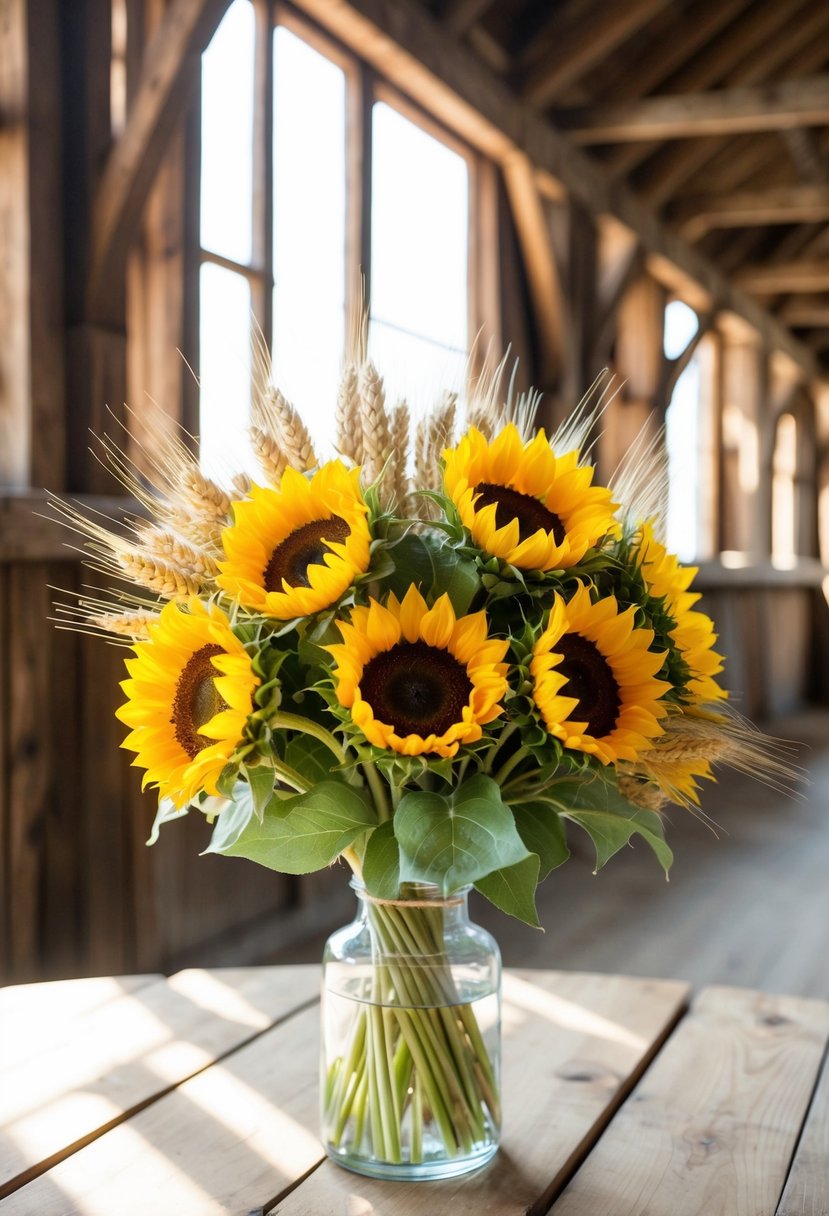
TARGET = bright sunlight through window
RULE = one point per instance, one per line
(683, 437)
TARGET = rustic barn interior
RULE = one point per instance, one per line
(638, 185)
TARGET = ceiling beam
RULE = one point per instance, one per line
(806, 313)
(768, 107)
(460, 15)
(169, 70)
(781, 277)
(581, 47)
(696, 216)
(415, 53)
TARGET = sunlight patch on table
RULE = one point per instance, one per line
(567, 1014)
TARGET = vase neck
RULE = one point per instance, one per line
(422, 897)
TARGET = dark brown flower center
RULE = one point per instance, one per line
(416, 688)
(197, 700)
(512, 504)
(589, 678)
(304, 547)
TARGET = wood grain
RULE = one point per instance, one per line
(126, 1052)
(711, 1129)
(807, 1187)
(573, 1045)
(229, 1140)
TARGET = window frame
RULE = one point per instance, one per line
(364, 88)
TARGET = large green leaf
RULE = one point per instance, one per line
(302, 834)
(541, 829)
(435, 567)
(458, 838)
(233, 820)
(381, 864)
(261, 780)
(609, 819)
(311, 758)
(513, 890)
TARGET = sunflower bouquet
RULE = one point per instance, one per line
(429, 657)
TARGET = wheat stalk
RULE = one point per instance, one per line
(641, 793)
(377, 442)
(124, 624)
(272, 459)
(158, 543)
(241, 486)
(158, 575)
(202, 494)
(348, 419)
(400, 429)
(274, 415)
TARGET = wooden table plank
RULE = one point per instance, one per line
(807, 1187)
(711, 1128)
(126, 1052)
(573, 1047)
(34, 1017)
(229, 1140)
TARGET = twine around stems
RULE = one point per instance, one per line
(451, 902)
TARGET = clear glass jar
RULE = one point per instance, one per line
(411, 1038)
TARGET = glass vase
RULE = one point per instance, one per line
(411, 1038)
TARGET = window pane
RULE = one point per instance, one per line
(683, 437)
(224, 372)
(309, 230)
(419, 231)
(227, 135)
(414, 368)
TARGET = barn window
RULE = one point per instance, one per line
(684, 438)
(313, 170)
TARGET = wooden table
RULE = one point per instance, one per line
(197, 1095)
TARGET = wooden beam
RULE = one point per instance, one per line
(807, 156)
(31, 532)
(778, 277)
(539, 262)
(414, 51)
(751, 209)
(460, 15)
(170, 70)
(769, 107)
(582, 47)
(729, 60)
(806, 314)
(672, 369)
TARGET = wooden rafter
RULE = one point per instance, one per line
(460, 15)
(415, 52)
(778, 277)
(768, 107)
(539, 260)
(751, 208)
(728, 60)
(581, 47)
(169, 71)
(806, 313)
(798, 49)
(807, 156)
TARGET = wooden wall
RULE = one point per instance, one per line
(79, 891)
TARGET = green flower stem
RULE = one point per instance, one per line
(378, 791)
(290, 776)
(508, 765)
(416, 1052)
(289, 721)
(497, 744)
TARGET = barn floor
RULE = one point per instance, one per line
(749, 906)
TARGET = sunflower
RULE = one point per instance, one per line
(419, 679)
(594, 679)
(296, 550)
(189, 694)
(694, 632)
(522, 503)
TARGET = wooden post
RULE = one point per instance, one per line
(639, 362)
(746, 483)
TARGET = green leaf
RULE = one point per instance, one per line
(311, 758)
(435, 567)
(381, 864)
(167, 812)
(458, 838)
(609, 819)
(261, 781)
(233, 821)
(513, 890)
(305, 833)
(540, 827)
